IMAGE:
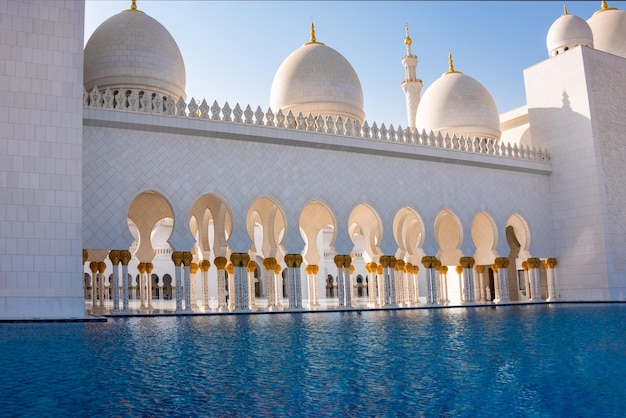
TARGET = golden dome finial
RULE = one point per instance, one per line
(565, 9)
(133, 7)
(313, 39)
(407, 40)
(451, 65)
(605, 7)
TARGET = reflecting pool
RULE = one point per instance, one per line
(543, 360)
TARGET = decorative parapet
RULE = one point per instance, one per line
(142, 101)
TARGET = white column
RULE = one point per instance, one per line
(177, 258)
(204, 268)
(535, 282)
(551, 272)
(220, 264)
(340, 282)
(481, 283)
(125, 257)
(270, 266)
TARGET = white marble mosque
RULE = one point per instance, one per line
(120, 195)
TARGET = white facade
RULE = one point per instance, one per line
(195, 190)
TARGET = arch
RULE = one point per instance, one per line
(266, 225)
(365, 228)
(449, 236)
(210, 222)
(146, 211)
(316, 218)
(409, 232)
(521, 232)
(485, 237)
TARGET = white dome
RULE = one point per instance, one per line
(458, 104)
(133, 50)
(317, 79)
(609, 30)
(567, 32)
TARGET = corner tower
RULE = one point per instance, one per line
(411, 86)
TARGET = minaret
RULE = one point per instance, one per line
(412, 86)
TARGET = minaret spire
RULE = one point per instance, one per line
(412, 86)
(565, 9)
(408, 41)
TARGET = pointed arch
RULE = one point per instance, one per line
(315, 217)
(149, 211)
(485, 238)
(449, 237)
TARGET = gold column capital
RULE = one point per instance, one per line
(502, 262)
(290, 260)
(149, 268)
(187, 258)
(177, 258)
(85, 255)
(338, 261)
(459, 269)
(125, 257)
(351, 269)
(408, 268)
(220, 262)
(270, 263)
(399, 265)
(550, 263)
(141, 267)
(277, 269)
(298, 261)
(204, 265)
(93, 266)
(525, 265)
(312, 269)
(437, 264)
(467, 262)
(427, 261)
(230, 269)
(534, 262)
(193, 268)
(443, 269)
(114, 256)
(101, 266)
(480, 269)
(251, 266)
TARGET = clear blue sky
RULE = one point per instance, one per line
(232, 49)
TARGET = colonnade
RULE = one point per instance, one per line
(390, 282)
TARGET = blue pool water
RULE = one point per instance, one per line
(545, 360)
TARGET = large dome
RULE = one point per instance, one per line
(133, 50)
(317, 79)
(458, 104)
(609, 30)
(567, 32)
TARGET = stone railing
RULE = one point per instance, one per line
(141, 101)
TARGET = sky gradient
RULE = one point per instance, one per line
(232, 49)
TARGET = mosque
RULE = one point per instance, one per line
(121, 195)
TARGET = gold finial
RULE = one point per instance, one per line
(313, 40)
(451, 65)
(565, 9)
(407, 40)
(133, 7)
(605, 7)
